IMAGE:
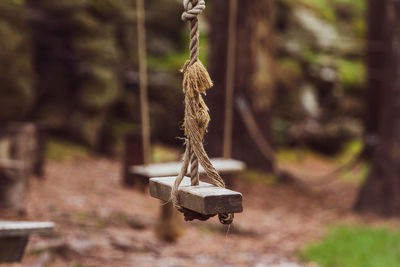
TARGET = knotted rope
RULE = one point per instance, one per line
(196, 81)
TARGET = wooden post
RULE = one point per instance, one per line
(41, 142)
(229, 179)
(133, 155)
(13, 183)
(24, 145)
(12, 248)
(169, 226)
(18, 154)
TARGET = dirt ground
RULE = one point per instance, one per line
(100, 223)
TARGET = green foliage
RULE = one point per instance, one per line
(351, 73)
(356, 247)
(61, 150)
(295, 155)
(16, 74)
(162, 153)
(329, 8)
(358, 174)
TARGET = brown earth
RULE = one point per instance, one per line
(100, 223)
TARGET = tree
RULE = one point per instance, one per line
(381, 192)
(376, 57)
(254, 78)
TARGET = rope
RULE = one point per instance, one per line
(196, 81)
(230, 79)
(144, 106)
(268, 152)
(255, 132)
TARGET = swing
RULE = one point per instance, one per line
(14, 237)
(198, 200)
(225, 165)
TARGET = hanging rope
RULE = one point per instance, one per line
(230, 79)
(144, 103)
(196, 81)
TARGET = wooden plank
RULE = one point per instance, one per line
(8, 229)
(205, 198)
(12, 248)
(173, 168)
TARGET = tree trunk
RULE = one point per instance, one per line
(381, 192)
(376, 57)
(253, 76)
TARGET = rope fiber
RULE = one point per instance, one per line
(196, 81)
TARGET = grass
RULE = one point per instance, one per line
(355, 175)
(255, 176)
(61, 150)
(356, 247)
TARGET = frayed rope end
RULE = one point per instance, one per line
(196, 78)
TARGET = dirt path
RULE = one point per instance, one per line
(99, 223)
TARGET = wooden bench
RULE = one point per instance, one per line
(135, 174)
(14, 237)
(226, 167)
(204, 198)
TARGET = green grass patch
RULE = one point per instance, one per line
(356, 247)
(354, 175)
(297, 155)
(61, 150)
(256, 176)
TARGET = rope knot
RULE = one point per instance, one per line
(193, 8)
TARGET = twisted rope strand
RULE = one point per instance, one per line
(194, 169)
(196, 81)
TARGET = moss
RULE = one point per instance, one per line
(351, 73)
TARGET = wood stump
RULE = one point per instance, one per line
(22, 148)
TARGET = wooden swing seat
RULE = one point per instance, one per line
(14, 237)
(223, 166)
(205, 198)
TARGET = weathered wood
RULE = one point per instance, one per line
(14, 237)
(41, 143)
(13, 183)
(8, 229)
(133, 155)
(205, 198)
(169, 224)
(12, 248)
(23, 138)
(173, 168)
